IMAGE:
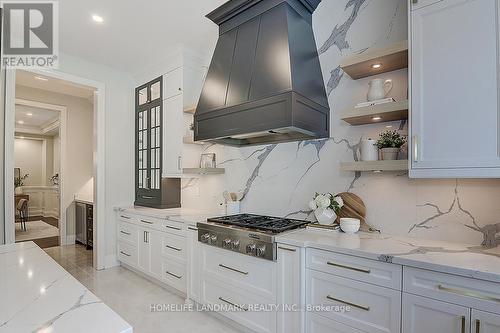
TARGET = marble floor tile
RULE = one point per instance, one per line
(131, 296)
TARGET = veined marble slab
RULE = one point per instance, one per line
(454, 258)
(38, 295)
(183, 215)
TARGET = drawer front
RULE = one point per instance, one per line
(127, 253)
(319, 324)
(125, 217)
(127, 232)
(477, 294)
(173, 227)
(244, 272)
(150, 222)
(217, 293)
(174, 246)
(367, 307)
(174, 274)
(364, 270)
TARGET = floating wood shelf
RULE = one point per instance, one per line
(204, 171)
(391, 58)
(189, 140)
(397, 165)
(377, 113)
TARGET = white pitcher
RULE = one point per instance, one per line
(378, 89)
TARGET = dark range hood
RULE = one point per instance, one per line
(264, 84)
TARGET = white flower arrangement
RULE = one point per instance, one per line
(326, 200)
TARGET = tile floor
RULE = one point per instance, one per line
(130, 295)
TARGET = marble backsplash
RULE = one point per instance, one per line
(280, 179)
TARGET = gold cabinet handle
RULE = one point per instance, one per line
(478, 326)
(286, 249)
(362, 270)
(125, 217)
(175, 228)
(125, 254)
(232, 304)
(148, 222)
(174, 275)
(467, 293)
(415, 148)
(233, 269)
(125, 233)
(362, 307)
(193, 228)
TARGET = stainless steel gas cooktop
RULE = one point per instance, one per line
(248, 234)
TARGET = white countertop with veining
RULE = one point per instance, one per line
(183, 215)
(454, 258)
(38, 295)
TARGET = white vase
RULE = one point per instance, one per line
(378, 89)
(18, 190)
(325, 216)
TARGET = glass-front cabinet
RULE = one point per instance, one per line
(151, 189)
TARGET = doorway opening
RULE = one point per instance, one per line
(52, 150)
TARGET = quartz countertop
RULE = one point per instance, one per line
(183, 215)
(453, 258)
(38, 295)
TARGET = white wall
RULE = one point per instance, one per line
(28, 155)
(79, 144)
(119, 141)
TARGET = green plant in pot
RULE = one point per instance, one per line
(390, 142)
(19, 182)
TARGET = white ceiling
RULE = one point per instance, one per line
(28, 79)
(39, 117)
(135, 33)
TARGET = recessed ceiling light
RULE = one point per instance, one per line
(377, 171)
(22, 137)
(41, 78)
(376, 66)
(29, 114)
(376, 118)
(388, 126)
(97, 18)
(20, 122)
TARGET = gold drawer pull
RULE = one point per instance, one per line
(362, 270)
(192, 228)
(174, 275)
(125, 254)
(286, 249)
(173, 248)
(362, 307)
(125, 217)
(148, 222)
(125, 233)
(233, 269)
(232, 304)
(468, 293)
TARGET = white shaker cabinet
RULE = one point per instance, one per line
(422, 315)
(455, 117)
(193, 264)
(485, 322)
(289, 293)
(144, 250)
(172, 83)
(172, 136)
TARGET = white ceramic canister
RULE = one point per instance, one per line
(233, 207)
(368, 150)
(379, 89)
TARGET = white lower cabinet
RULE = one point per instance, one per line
(290, 260)
(193, 267)
(319, 324)
(147, 245)
(425, 315)
(485, 322)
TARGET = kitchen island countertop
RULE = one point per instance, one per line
(38, 295)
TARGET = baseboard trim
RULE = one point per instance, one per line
(70, 239)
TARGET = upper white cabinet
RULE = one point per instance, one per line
(172, 83)
(173, 128)
(454, 57)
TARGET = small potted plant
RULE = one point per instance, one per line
(326, 207)
(390, 142)
(18, 182)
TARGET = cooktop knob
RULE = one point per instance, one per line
(213, 239)
(251, 248)
(226, 243)
(260, 251)
(204, 238)
(235, 245)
